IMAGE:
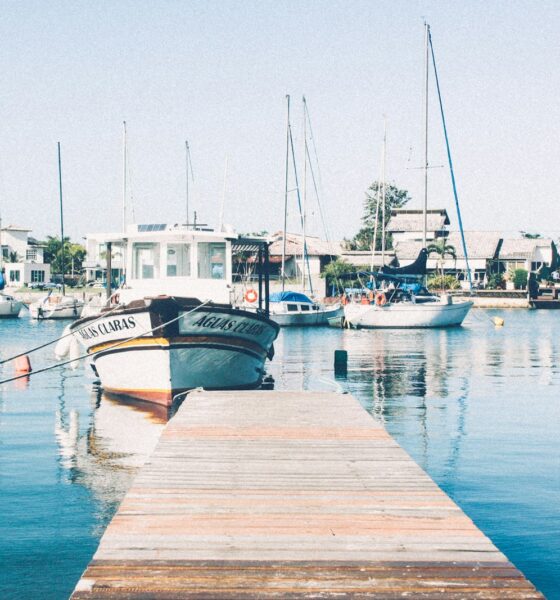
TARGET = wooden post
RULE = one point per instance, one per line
(109, 269)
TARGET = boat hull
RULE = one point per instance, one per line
(306, 319)
(407, 315)
(53, 308)
(211, 347)
(10, 309)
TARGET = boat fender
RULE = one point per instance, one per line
(251, 296)
(74, 352)
(62, 347)
(381, 299)
(22, 364)
(115, 299)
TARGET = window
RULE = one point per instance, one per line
(146, 261)
(178, 260)
(212, 260)
(304, 307)
(291, 307)
(14, 276)
(37, 276)
(31, 254)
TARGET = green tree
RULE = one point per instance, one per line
(13, 257)
(442, 249)
(74, 255)
(394, 198)
(339, 274)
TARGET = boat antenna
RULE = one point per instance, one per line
(188, 169)
(426, 165)
(452, 172)
(283, 271)
(61, 220)
(124, 179)
(376, 226)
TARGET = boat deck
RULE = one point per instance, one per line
(290, 495)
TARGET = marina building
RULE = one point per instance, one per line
(23, 257)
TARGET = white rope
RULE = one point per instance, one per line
(87, 355)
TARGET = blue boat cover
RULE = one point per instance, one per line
(2, 281)
(289, 297)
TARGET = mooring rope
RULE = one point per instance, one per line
(61, 337)
(87, 355)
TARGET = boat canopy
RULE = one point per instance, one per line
(290, 297)
(418, 267)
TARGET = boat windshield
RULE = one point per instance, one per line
(211, 260)
(146, 260)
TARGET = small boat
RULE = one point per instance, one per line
(153, 342)
(294, 308)
(9, 306)
(56, 306)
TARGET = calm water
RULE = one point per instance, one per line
(478, 408)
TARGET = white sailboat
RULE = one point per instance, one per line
(396, 302)
(53, 305)
(290, 308)
(10, 307)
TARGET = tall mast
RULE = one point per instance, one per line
(221, 219)
(187, 153)
(61, 220)
(384, 191)
(304, 194)
(425, 220)
(286, 193)
(124, 179)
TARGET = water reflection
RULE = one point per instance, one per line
(106, 454)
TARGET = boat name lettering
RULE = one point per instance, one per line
(226, 324)
(107, 327)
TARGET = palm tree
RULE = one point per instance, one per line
(442, 249)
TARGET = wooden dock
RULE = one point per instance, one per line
(290, 495)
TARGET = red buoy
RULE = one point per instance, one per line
(23, 364)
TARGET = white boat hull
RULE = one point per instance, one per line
(9, 307)
(406, 315)
(56, 307)
(213, 348)
(305, 319)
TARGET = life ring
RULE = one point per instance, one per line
(381, 299)
(251, 296)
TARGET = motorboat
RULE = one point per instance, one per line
(9, 306)
(56, 306)
(297, 309)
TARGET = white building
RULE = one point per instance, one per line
(22, 257)
(408, 224)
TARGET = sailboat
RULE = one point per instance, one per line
(397, 297)
(9, 306)
(56, 306)
(290, 307)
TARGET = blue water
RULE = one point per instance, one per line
(478, 408)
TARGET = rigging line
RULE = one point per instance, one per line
(453, 183)
(89, 354)
(59, 338)
(299, 204)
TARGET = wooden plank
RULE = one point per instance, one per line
(292, 495)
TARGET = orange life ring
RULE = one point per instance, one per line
(251, 296)
(381, 299)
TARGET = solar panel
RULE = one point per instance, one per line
(152, 227)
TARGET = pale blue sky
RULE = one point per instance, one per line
(216, 73)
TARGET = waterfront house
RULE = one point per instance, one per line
(23, 257)
(407, 224)
(527, 253)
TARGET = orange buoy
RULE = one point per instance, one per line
(23, 364)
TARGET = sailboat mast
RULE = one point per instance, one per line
(384, 192)
(187, 182)
(61, 220)
(222, 206)
(124, 179)
(426, 73)
(286, 193)
(304, 195)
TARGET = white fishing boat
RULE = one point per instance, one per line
(296, 309)
(173, 326)
(56, 306)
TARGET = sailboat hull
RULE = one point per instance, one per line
(9, 308)
(307, 318)
(407, 315)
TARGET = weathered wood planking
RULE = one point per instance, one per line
(290, 495)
